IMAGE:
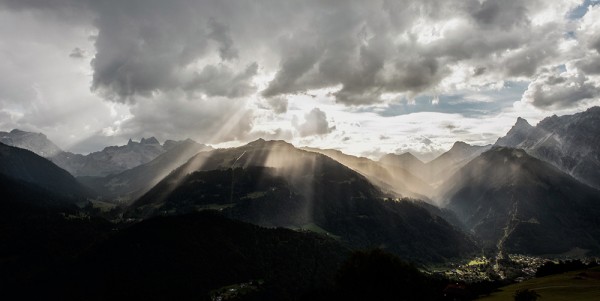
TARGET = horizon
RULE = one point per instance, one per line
(423, 157)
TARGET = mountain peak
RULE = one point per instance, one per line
(150, 140)
(260, 142)
(522, 123)
(408, 155)
(17, 131)
(595, 110)
(460, 145)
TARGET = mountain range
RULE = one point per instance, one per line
(570, 142)
(274, 184)
(535, 192)
(395, 179)
(109, 161)
(127, 186)
(112, 159)
(439, 169)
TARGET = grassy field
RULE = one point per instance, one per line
(578, 285)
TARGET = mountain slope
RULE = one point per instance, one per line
(186, 257)
(518, 203)
(275, 184)
(39, 229)
(133, 183)
(405, 161)
(395, 179)
(570, 142)
(444, 166)
(35, 142)
(24, 165)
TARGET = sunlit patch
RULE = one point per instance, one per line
(386, 97)
(262, 79)
(428, 31)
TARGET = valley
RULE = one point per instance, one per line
(265, 215)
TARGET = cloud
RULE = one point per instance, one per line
(589, 29)
(504, 14)
(366, 49)
(589, 65)
(203, 120)
(220, 33)
(77, 53)
(279, 104)
(147, 47)
(222, 81)
(558, 90)
(315, 123)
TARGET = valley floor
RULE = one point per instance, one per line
(578, 285)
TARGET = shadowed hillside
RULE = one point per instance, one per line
(275, 184)
(515, 202)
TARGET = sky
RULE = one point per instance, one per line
(365, 77)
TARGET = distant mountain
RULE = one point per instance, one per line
(517, 203)
(444, 166)
(393, 178)
(570, 142)
(24, 165)
(274, 184)
(440, 168)
(35, 142)
(405, 161)
(112, 159)
(129, 185)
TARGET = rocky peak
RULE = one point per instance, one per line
(170, 144)
(17, 132)
(460, 145)
(260, 142)
(409, 156)
(150, 140)
(522, 124)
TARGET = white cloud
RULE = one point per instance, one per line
(315, 123)
(552, 89)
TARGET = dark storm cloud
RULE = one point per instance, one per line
(188, 67)
(222, 81)
(589, 65)
(504, 14)
(366, 48)
(148, 46)
(220, 33)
